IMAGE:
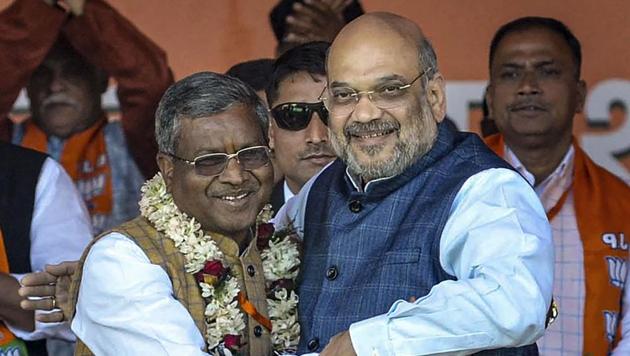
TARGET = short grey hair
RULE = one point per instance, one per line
(201, 95)
(427, 59)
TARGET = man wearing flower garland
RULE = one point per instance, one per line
(187, 277)
(413, 210)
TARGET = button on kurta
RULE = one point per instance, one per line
(251, 270)
(355, 206)
(332, 273)
(313, 344)
(258, 331)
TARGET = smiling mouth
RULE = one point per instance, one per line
(369, 135)
(234, 198)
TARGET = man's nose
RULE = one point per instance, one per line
(233, 173)
(57, 83)
(365, 109)
(529, 84)
(316, 131)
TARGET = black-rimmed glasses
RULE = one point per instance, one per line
(297, 116)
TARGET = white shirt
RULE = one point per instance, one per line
(497, 242)
(288, 194)
(126, 305)
(566, 335)
(60, 231)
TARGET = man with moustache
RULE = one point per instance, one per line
(133, 290)
(413, 210)
(63, 57)
(297, 134)
(535, 91)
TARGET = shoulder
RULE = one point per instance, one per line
(470, 149)
(498, 187)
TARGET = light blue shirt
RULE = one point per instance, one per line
(497, 278)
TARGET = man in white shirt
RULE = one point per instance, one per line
(413, 210)
(297, 134)
(42, 221)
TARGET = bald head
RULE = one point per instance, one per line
(389, 32)
(388, 58)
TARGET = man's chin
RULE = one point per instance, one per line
(59, 127)
(374, 155)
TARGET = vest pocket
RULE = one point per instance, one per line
(401, 256)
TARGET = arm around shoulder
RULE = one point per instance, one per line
(125, 305)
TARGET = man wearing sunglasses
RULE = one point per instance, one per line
(413, 210)
(298, 134)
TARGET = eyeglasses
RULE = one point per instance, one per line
(297, 116)
(341, 101)
(213, 164)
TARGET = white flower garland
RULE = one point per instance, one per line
(222, 314)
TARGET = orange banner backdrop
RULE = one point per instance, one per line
(215, 34)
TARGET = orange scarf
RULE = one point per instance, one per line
(602, 208)
(84, 157)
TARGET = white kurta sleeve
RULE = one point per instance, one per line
(60, 230)
(497, 243)
(126, 305)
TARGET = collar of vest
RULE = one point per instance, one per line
(443, 145)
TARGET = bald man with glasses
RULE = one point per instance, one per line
(413, 210)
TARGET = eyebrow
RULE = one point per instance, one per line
(380, 80)
(542, 63)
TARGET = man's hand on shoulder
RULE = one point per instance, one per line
(40, 289)
(339, 345)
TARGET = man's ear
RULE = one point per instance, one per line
(166, 166)
(436, 95)
(272, 141)
(581, 96)
(489, 99)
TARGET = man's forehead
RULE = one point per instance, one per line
(367, 65)
(375, 42)
(226, 131)
(535, 44)
(301, 84)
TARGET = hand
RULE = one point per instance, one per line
(339, 345)
(315, 20)
(74, 6)
(53, 283)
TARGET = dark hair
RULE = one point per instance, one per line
(200, 95)
(308, 57)
(256, 73)
(553, 25)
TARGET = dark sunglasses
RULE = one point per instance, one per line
(213, 164)
(296, 116)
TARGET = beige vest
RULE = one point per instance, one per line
(162, 252)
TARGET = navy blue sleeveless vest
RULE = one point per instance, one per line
(365, 250)
(19, 173)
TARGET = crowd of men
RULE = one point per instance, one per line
(394, 233)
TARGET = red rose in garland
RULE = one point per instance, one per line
(264, 233)
(212, 273)
(232, 342)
